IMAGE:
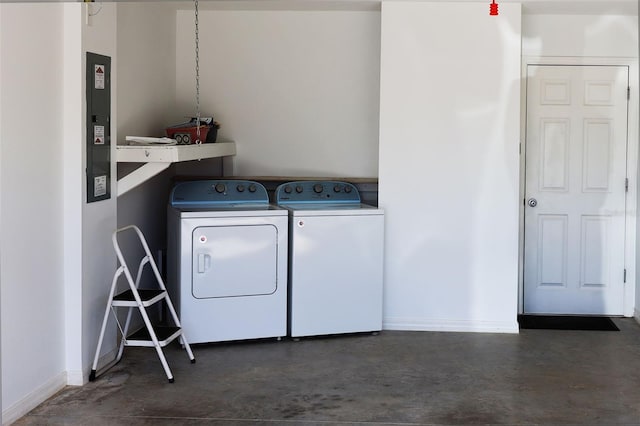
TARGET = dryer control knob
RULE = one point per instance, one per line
(336, 188)
(347, 189)
(220, 188)
(299, 189)
(317, 188)
(240, 188)
(287, 189)
(252, 188)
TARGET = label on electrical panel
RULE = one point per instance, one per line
(98, 76)
(100, 186)
(98, 135)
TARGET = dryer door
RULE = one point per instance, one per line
(232, 261)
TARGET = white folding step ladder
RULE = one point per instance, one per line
(150, 335)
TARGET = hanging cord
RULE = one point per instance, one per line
(198, 141)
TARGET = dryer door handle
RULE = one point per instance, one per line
(204, 263)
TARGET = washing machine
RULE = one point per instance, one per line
(227, 261)
(335, 259)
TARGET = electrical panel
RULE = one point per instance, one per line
(98, 127)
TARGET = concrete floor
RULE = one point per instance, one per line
(395, 378)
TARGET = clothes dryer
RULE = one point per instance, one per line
(335, 259)
(227, 259)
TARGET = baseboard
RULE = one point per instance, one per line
(80, 378)
(472, 326)
(48, 389)
(34, 398)
(76, 378)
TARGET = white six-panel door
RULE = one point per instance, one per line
(576, 141)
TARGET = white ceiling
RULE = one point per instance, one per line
(572, 7)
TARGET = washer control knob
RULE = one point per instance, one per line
(287, 189)
(317, 188)
(347, 189)
(299, 189)
(252, 188)
(240, 188)
(220, 188)
(336, 188)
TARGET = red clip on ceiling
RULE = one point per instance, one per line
(493, 8)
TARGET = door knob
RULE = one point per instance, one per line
(532, 202)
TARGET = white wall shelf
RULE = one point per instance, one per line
(159, 157)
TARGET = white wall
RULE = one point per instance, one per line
(146, 105)
(98, 218)
(297, 90)
(637, 242)
(146, 37)
(449, 165)
(0, 215)
(580, 35)
(31, 220)
(89, 256)
(72, 178)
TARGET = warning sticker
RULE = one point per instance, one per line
(99, 76)
(98, 135)
(99, 186)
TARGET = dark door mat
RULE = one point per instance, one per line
(566, 322)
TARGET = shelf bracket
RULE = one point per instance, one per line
(140, 175)
(159, 157)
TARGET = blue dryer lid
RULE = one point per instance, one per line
(217, 193)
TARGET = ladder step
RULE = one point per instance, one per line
(164, 334)
(148, 297)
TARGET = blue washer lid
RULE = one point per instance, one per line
(317, 192)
